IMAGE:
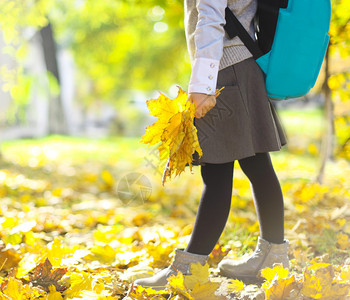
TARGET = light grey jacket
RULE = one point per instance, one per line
(208, 44)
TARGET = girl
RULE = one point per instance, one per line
(240, 125)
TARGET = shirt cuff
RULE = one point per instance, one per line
(204, 76)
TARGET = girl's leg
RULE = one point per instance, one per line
(267, 196)
(214, 207)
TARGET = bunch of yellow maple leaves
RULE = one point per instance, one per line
(175, 130)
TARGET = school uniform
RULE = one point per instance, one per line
(243, 121)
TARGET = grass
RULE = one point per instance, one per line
(301, 122)
(296, 122)
(76, 148)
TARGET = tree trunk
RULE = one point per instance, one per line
(57, 120)
(329, 132)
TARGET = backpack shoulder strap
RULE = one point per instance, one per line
(267, 17)
(234, 28)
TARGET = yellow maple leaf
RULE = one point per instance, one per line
(331, 288)
(343, 241)
(235, 285)
(311, 286)
(163, 108)
(199, 274)
(9, 259)
(175, 130)
(53, 294)
(341, 222)
(206, 291)
(139, 292)
(103, 253)
(322, 284)
(78, 282)
(270, 273)
(56, 252)
(176, 283)
(280, 289)
(108, 178)
(27, 263)
(317, 265)
(345, 273)
(14, 288)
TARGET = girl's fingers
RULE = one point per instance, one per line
(200, 114)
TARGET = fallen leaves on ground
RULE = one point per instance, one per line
(65, 234)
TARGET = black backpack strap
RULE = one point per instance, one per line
(234, 28)
(267, 17)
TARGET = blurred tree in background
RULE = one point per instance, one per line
(121, 45)
(339, 81)
(336, 87)
(117, 45)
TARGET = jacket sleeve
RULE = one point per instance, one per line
(208, 37)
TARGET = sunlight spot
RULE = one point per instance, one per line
(156, 13)
(51, 154)
(35, 151)
(173, 90)
(160, 27)
(33, 162)
(2, 176)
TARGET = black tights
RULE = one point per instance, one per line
(215, 203)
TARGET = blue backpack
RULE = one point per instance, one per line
(292, 40)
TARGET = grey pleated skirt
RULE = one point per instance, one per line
(243, 121)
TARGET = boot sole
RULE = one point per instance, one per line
(245, 278)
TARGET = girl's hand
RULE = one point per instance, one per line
(203, 103)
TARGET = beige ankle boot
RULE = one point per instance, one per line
(265, 255)
(181, 262)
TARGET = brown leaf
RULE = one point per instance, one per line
(44, 276)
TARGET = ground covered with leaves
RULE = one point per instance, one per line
(82, 219)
